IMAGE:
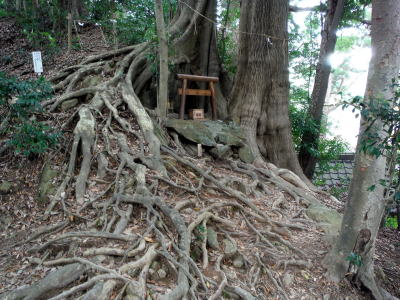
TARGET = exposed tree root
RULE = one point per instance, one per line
(114, 143)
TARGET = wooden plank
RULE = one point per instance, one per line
(193, 92)
(197, 78)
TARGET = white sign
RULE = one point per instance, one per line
(37, 62)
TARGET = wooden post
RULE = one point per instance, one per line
(69, 32)
(199, 150)
(213, 101)
(182, 110)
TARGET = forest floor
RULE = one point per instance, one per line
(21, 214)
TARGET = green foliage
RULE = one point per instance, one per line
(19, 100)
(303, 53)
(36, 24)
(355, 11)
(228, 17)
(134, 20)
(386, 111)
(354, 259)
(391, 222)
(33, 138)
(328, 149)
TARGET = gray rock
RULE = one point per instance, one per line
(194, 131)
(246, 155)
(326, 297)
(5, 187)
(230, 248)
(329, 219)
(221, 151)
(5, 221)
(238, 261)
(287, 280)
(212, 238)
(46, 186)
(102, 164)
(162, 273)
(69, 104)
(209, 133)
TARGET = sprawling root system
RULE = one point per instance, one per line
(138, 215)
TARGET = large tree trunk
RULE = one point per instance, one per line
(260, 95)
(365, 206)
(310, 138)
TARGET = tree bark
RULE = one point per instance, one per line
(163, 53)
(310, 139)
(196, 47)
(364, 207)
(260, 96)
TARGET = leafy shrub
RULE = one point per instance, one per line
(328, 149)
(391, 222)
(31, 138)
(18, 101)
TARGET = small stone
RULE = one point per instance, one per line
(212, 238)
(162, 273)
(238, 261)
(230, 248)
(155, 265)
(5, 187)
(326, 297)
(69, 104)
(187, 210)
(287, 280)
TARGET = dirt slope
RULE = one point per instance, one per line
(299, 247)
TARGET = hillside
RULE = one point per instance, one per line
(229, 228)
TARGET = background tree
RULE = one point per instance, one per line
(332, 21)
(328, 41)
(260, 95)
(163, 54)
(354, 250)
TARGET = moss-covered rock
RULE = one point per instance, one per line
(5, 187)
(194, 131)
(329, 220)
(209, 133)
(46, 185)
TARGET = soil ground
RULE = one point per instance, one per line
(21, 214)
